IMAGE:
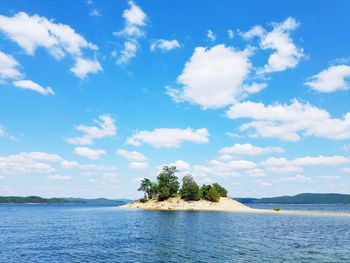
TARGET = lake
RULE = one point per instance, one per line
(82, 233)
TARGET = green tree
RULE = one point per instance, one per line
(190, 190)
(149, 188)
(209, 193)
(220, 189)
(168, 184)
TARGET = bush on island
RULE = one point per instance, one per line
(220, 189)
(190, 190)
(167, 186)
(210, 193)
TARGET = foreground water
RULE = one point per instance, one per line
(78, 233)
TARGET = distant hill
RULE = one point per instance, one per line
(306, 198)
(40, 200)
(32, 200)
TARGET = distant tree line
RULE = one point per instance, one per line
(168, 185)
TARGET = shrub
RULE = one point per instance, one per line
(276, 209)
(209, 193)
(163, 193)
(190, 190)
(220, 189)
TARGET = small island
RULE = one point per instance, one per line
(166, 194)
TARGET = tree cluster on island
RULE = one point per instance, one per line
(168, 185)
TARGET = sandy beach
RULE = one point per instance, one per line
(225, 204)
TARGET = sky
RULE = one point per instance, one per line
(96, 95)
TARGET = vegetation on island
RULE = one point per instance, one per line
(168, 185)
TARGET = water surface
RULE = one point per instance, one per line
(80, 233)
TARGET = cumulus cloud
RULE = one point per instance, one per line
(135, 19)
(164, 45)
(95, 13)
(2, 131)
(138, 165)
(8, 67)
(93, 154)
(28, 162)
(105, 128)
(230, 34)
(60, 177)
(211, 35)
(213, 78)
(331, 79)
(32, 32)
(169, 138)
(249, 149)
(287, 54)
(30, 85)
(132, 155)
(83, 67)
(290, 122)
(129, 51)
(294, 166)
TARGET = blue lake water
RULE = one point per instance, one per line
(80, 233)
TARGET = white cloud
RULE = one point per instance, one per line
(60, 177)
(2, 131)
(105, 128)
(286, 53)
(290, 122)
(138, 165)
(165, 45)
(249, 149)
(134, 15)
(95, 13)
(8, 67)
(30, 85)
(169, 138)
(83, 67)
(133, 156)
(129, 51)
(28, 162)
(331, 79)
(135, 19)
(211, 35)
(31, 32)
(256, 31)
(93, 154)
(346, 170)
(213, 78)
(254, 87)
(70, 164)
(307, 161)
(230, 34)
(286, 170)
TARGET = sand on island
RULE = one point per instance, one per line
(225, 204)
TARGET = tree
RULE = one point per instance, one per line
(168, 184)
(190, 190)
(220, 189)
(209, 193)
(149, 188)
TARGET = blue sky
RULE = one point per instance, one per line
(95, 95)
